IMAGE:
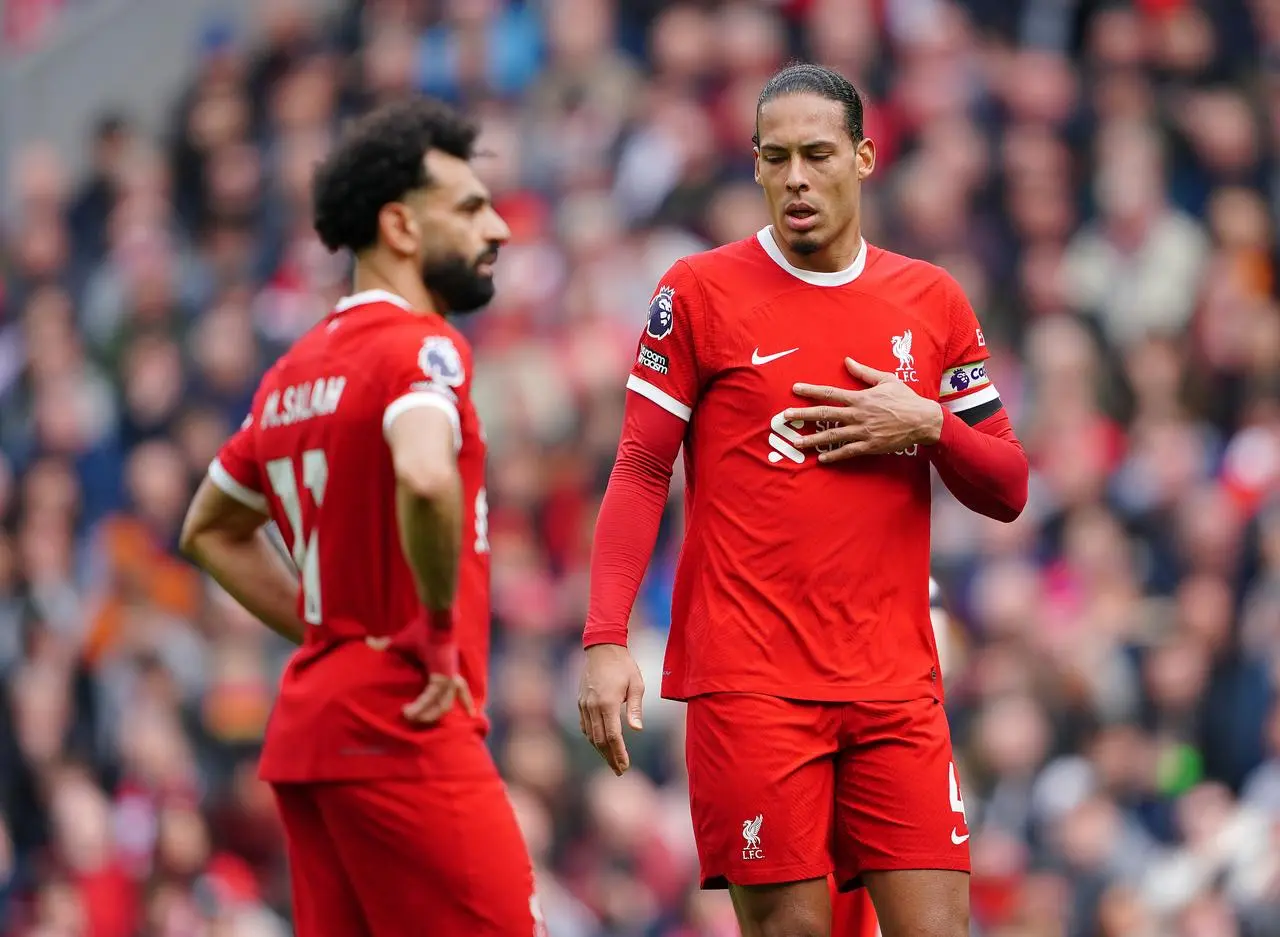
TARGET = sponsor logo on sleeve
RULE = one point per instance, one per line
(661, 313)
(652, 360)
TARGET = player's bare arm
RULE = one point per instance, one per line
(429, 515)
(886, 416)
(228, 540)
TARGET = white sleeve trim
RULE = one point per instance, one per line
(660, 397)
(985, 395)
(224, 481)
(423, 398)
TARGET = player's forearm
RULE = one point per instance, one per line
(630, 516)
(253, 573)
(984, 466)
(626, 531)
(430, 521)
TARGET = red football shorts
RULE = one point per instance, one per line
(785, 790)
(398, 858)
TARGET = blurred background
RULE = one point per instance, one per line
(1101, 177)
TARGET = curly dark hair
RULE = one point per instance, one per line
(806, 78)
(379, 159)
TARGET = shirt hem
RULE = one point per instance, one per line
(814, 693)
(337, 765)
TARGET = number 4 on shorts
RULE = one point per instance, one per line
(957, 805)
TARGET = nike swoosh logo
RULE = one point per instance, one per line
(757, 358)
(957, 838)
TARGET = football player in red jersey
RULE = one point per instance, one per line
(812, 379)
(364, 448)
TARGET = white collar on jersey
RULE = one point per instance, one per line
(812, 277)
(364, 297)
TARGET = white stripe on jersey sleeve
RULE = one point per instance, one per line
(423, 398)
(221, 478)
(660, 397)
(969, 401)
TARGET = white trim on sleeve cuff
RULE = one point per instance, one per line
(660, 397)
(968, 402)
(227, 484)
(423, 398)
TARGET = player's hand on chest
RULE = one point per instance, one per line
(842, 383)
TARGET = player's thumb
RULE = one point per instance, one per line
(635, 694)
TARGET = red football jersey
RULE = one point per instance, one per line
(313, 456)
(799, 579)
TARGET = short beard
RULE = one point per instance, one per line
(458, 285)
(805, 246)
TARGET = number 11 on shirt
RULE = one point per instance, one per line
(306, 555)
(305, 548)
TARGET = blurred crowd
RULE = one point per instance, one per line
(1103, 178)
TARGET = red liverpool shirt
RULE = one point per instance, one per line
(312, 455)
(798, 579)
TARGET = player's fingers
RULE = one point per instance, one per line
(617, 748)
(595, 727)
(413, 711)
(464, 695)
(443, 703)
(836, 436)
(817, 414)
(848, 451)
(868, 375)
(433, 703)
(601, 741)
(824, 392)
(635, 699)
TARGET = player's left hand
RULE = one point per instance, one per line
(886, 417)
(438, 698)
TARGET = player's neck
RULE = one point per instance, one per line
(400, 280)
(839, 255)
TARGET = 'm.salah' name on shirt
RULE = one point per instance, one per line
(303, 401)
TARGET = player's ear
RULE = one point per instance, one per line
(866, 156)
(755, 152)
(399, 227)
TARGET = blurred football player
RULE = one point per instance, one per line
(363, 446)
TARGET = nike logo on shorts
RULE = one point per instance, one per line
(957, 838)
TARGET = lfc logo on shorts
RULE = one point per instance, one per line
(751, 833)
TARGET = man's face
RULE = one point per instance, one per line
(460, 234)
(810, 169)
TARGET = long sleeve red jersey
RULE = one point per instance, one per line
(796, 579)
